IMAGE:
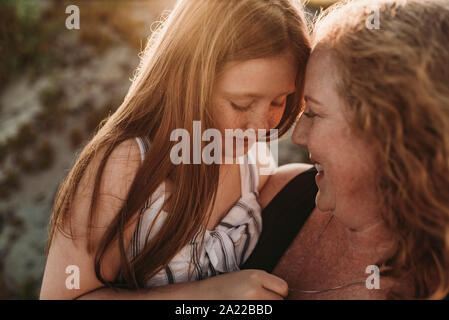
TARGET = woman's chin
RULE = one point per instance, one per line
(322, 203)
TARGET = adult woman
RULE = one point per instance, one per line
(228, 64)
(377, 128)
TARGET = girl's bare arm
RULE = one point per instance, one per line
(120, 170)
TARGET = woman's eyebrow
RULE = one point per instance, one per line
(309, 98)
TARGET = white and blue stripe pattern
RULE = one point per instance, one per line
(224, 249)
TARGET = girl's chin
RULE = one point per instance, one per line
(236, 152)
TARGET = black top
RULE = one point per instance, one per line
(282, 219)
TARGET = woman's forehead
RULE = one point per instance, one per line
(321, 74)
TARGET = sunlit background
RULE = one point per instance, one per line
(56, 85)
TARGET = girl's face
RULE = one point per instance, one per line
(252, 94)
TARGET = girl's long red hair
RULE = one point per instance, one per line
(173, 87)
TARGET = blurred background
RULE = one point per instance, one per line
(56, 85)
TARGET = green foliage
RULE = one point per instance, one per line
(26, 136)
(51, 117)
(75, 138)
(96, 117)
(51, 95)
(28, 11)
(44, 155)
(54, 109)
(3, 152)
(17, 223)
(101, 41)
(5, 291)
(26, 165)
(9, 184)
(27, 290)
(42, 158)
(27, 36)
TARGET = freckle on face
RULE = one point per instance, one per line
(265, 78)
(348, 162)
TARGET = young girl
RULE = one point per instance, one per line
(136, 225)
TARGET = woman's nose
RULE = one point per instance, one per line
(301, 131)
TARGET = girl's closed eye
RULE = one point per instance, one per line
(283, 102)
(240, 108)
(279, 104)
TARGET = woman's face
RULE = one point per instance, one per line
(252, 94)
(346, 178)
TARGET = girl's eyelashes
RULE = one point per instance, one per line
(283, 101)
(276, 104)
(240, 108)
(245, 108)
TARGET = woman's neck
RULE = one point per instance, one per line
(370, 242)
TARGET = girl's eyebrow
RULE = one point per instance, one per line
(287, 93)
(243, 94)
(309, 98)
(255, 95)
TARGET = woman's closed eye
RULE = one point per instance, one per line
(309, 114)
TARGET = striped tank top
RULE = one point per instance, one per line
(224, 249)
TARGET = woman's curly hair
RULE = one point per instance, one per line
(395, 79)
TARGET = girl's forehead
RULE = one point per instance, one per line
(253, 77)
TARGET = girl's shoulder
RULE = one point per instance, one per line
(128, 148)
(121, 167)
(143, 144)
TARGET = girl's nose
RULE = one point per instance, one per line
(259, 120)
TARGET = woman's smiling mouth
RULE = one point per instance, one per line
(319, 167)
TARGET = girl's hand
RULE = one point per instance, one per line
(245, 285)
